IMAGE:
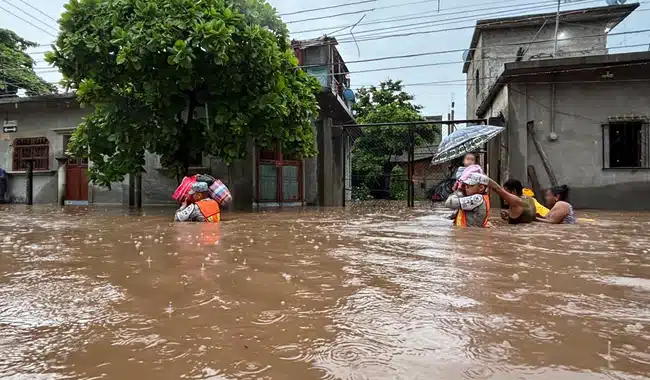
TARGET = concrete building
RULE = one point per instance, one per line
(585, 111)
(39, 128)
(265, 178)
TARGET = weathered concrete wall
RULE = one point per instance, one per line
(310, 174)
(37, 121)
(54, 121)
(241, 180)
(577, 155)
(497, 47)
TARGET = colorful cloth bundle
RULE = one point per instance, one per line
(219, 192)
(184, 188)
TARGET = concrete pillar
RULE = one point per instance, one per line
(242, 181)
(348, 168)
(29, 191)
(325, 161)
(61, 180)
(337, 170)
(517, 134)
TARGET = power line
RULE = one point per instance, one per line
(367, 10)
(453, 20)
(472, 80)
(330, 16)
(20, 18)
(379, 37)
(482, 48)
(324, 8)
(39, 11)
(30, 15)
(404, 17)
(384, 36)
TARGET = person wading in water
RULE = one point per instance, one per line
(198, 206)
(474, 207)
(561, 210)
(521, 208)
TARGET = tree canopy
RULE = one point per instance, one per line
(386, 103)
(181, 78)
(17, 67)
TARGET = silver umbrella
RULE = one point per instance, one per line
(463, 141)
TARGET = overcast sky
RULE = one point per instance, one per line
(453, 14)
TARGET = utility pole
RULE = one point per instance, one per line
(557, 25)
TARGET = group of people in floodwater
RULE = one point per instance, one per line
(470, 200)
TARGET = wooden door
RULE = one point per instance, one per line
(76, 178)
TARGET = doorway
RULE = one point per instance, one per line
(76, 188)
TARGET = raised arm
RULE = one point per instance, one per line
(465, 203)
(511, 199)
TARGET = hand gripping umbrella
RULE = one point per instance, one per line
(463, 141)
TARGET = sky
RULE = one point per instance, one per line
(34, 20)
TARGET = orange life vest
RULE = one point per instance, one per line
(461, 218)
(210, 210)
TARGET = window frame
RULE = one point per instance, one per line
(279, 161)
(30, 144)
(606, 142)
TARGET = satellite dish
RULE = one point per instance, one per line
(465, 55)
(615, 2)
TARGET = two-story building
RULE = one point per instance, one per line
(264, 178)
(574, 114)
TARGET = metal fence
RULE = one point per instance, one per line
(391, 162)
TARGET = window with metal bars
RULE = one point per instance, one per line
(33, 148)
(626, 144)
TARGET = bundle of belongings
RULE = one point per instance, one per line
(201, 197)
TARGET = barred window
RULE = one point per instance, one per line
(626, 144)
(34, 148)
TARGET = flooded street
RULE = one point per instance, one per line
(337, 294)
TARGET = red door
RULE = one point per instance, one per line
(77, 180)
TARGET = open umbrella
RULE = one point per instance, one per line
(463, 141)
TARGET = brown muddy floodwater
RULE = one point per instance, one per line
(363, 293)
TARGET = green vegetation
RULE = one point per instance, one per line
(181, 78)
(17, 67)
(372, 154)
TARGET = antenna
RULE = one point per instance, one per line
(557, 18)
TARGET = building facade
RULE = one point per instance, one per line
(580, 118)
(39, 128)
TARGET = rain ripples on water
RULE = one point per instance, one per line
(361, 293)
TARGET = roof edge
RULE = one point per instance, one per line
(602, 11)
(551, 65)
(38, 98)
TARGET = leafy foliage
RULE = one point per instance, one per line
(371, 158)
(17, 67)
(398, 182)
(180, 78)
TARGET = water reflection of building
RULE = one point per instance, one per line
(264, 178)
(589, 109)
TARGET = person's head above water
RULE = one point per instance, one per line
(556, 194)
(514, 186)
(198, 191)
(476, 184)
(469, 159)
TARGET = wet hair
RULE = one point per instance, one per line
(514, 185)
(562, 192)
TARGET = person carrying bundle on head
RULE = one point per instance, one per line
(198, 206)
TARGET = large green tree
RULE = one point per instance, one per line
(17, 67)
(181, 78)
(374, 152)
